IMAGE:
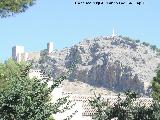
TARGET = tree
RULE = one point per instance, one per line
(8, 70)
(137, 41)
(156, 93)
(124, 109)
(158, 51)
(154, 47)
(156, 86)
(145, 43)
(29, 99)
(11, 7)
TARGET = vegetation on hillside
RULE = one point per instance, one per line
(156, 86)
(153, 47)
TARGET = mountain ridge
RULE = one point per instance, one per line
(114, 62)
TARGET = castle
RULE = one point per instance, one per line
(19, 54)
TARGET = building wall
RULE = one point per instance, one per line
(17, 51)
(33, 56)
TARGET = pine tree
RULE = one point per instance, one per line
(11, 7)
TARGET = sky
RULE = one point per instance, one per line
(66, 23)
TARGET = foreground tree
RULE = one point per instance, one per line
(11, 7)
(8, 70)
(124, 109)
(29, 99)
(156, 86)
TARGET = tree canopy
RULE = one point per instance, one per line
(11, 7)
(7, 71)
(124, 109)
(156, 86)
(28, 99)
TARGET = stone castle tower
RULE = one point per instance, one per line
(17, 51)
(50, 47)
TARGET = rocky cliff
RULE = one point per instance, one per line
(115, 63)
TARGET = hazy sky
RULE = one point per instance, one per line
(66, 23)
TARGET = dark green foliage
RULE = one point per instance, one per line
(73, 56)
(11, 7)
(145, 43)
(124, 109)
(137, 41)
(158, 52)
(156, 86)
(8, 70)
(153, 47)
(128, 39)
(29, 99)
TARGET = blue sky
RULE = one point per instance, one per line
(66, 24)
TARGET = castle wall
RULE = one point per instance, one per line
(33, 56)
(30, 56)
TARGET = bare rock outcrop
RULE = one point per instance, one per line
(115, 63)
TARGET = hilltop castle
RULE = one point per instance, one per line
(19, 54)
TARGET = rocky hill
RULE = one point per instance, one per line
(114, 63)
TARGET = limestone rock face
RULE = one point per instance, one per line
(114, 63)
